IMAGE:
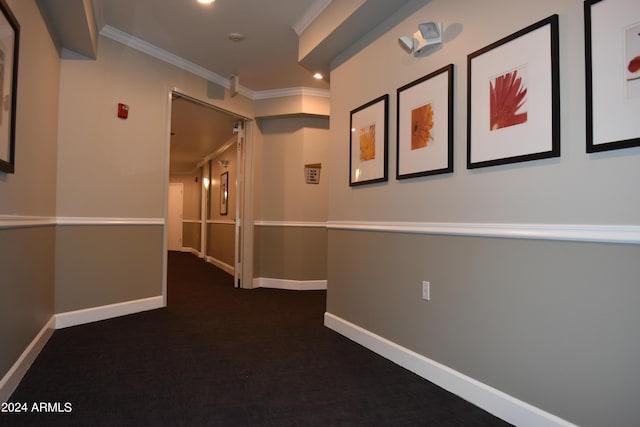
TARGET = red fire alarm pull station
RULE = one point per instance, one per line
(123, 111)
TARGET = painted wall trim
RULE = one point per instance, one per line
(291, 91)
(486, 397)
(163, 55)
(571, 232)
(66, 220)
(221, 221)
(629, 234)
(94, 314)
(19, 221)
(191, 250)
(12, 378)
(310, 224)
(220, 264)
(310, 15)
(294, 285)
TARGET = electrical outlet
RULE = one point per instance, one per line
(426, 290)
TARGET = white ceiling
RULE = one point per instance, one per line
(266, 59)
(197, 131)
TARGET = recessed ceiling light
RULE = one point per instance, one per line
(235, 37)
(206, 1)
(317, 76)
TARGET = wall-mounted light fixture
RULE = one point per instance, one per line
(223, 163)
(428, 36)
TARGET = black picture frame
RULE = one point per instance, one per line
(368, 152)
(9, 53)
(515, 117)
(612, 40)
(424, 143)
(224, 193)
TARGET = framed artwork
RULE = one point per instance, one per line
(612, 54)
(224, 193)
(9, 41)
(368, 144)
(513, 98)
(425, 125)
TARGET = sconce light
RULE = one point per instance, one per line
(206, 183)
(223, 163)
(428, 36)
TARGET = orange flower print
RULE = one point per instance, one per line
(368, 143)
(421, 125)
(508, 96)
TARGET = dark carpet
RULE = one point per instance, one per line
(219, 356)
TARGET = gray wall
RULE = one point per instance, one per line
(221, 239)
(27, 253)
(551, 323)
(26, 286)
(283, 251)
(127, 163)
(191, 235)
(101, 265)
(293, 253)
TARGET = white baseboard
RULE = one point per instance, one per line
(486, 397)
(10, 381)
(94, 314)
(221, 265)
(190, 250)
(295, 285)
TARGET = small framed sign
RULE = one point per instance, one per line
(312, 173)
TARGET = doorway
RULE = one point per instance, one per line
(175, 216)
(210, 152)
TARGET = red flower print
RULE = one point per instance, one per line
(508, 96)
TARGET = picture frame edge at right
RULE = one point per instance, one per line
(631, 86)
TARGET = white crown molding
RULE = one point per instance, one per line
(168, 57)
(161, 54)
(291, 91)
(310, 15)
(570, 232)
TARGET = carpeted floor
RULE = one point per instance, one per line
(219, 356)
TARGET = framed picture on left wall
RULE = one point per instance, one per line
(9, 41)
(368, 147)
(224, 193)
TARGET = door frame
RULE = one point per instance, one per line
(243, 263)
(245, 253)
